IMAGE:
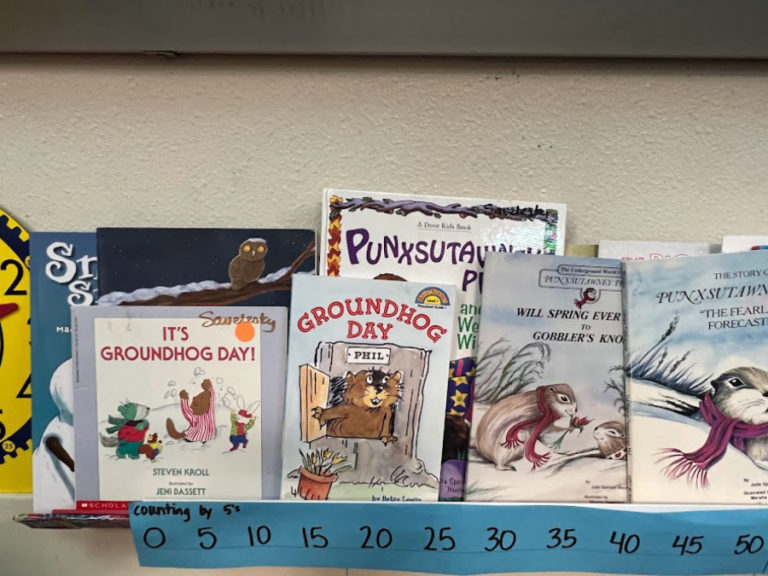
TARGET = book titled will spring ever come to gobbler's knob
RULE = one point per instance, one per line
(549, 392)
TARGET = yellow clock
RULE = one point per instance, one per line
(15, 363)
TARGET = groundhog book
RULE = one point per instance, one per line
(177, 403)
(549, 422)
(697, 365)
(365, 396)
(437, 239)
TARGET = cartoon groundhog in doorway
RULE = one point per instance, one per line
(367, 407)
(200, 413)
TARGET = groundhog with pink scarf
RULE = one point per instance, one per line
(200, 413)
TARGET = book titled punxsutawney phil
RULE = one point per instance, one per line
(178, 402)
(437, 239)
(696, 333)
(549, 419)
(63, 273)
(366, 386)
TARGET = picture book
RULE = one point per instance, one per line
(63, 273)
(744, 243)
(365, 397)
(549, 422)
(653, 250)
(437, 239)
(186, 402)
(15, 382)
(201, 266)
(696, 333)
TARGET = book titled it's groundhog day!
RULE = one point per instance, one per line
(437, 239)
(177, 403)
(365, 397)
(697, 362)
(549, 421)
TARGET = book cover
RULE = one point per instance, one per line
(201, 266)
(549, 422)
(437, 239)
(15, 388)
(63, 273)
(365, 398)
(696, 333)
(744, 243)
(184, 401)
(626, 250)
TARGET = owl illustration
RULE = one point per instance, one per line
(247, 266)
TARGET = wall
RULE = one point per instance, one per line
(638, 150)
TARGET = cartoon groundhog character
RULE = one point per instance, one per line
(611, 440)
(367, 407)
(131, 428)
(536, 412)
(247, 266)
(200, 413)
(737, 413)
(152, 447)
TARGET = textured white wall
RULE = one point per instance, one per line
(638, 150)
(662, 150)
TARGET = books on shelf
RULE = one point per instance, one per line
(185, 402)
(63, 273)
(696, 338)
(365, 397)
(437, 239)
(744, 243)
(626, 250)
(549, 422)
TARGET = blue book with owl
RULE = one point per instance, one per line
(696, 333)
(201, 266)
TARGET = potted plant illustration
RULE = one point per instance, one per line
(319, 470)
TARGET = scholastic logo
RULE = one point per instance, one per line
(432, 297)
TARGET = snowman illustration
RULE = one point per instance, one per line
(54, 466)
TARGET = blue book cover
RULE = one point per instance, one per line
(201, 266)
(696, 336)
(63, 273)
(549, 392)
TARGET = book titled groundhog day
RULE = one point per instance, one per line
(178, 402)
(63, 273)
(365, 398)
(696, 358)
(437, 239)
(549, 420)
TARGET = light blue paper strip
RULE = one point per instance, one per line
(451, 538)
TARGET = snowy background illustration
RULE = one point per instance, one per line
(674, 351)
